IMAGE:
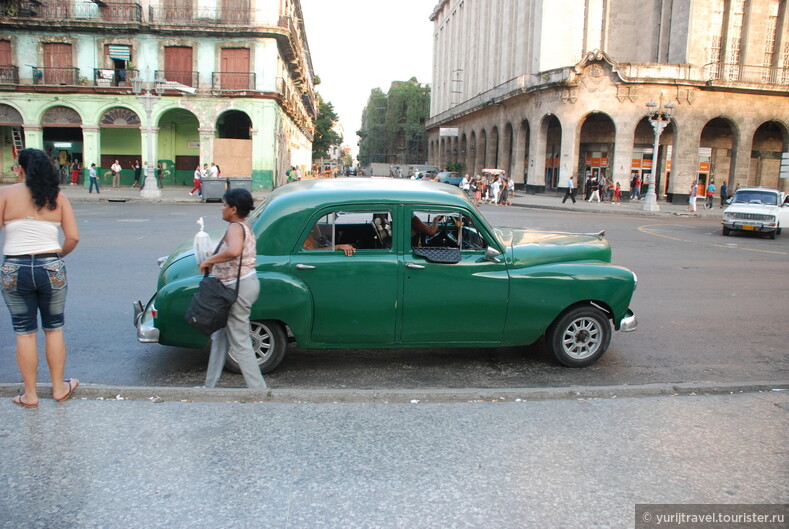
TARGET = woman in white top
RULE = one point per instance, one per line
(33, 275)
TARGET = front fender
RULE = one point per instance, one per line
(539, 294)
(287, 299)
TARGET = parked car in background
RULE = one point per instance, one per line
(424, 175)
(447, 177)
(428, 271)
(756, 209)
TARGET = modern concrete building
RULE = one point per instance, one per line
(552, 89)
(231, 80)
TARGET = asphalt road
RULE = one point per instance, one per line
(710, 309)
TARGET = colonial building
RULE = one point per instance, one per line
(230, 82)
(552, 89)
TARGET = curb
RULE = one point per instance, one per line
(414, 396)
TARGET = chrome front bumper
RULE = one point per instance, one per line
(143, 322)
(629, 322)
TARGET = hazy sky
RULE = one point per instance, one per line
(358, 45)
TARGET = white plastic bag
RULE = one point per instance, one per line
(202, 243)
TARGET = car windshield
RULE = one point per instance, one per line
(755, 197)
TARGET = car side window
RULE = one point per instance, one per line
(441, 229)
(364, 230)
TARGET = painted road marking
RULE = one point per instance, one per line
(728, 246)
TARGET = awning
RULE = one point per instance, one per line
(120, 52)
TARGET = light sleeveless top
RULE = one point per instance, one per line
(228, 271)
(31, 236)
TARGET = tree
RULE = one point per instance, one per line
(393, 124)
(325, 135)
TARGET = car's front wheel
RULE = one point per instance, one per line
(725, 231)
(580, 336)
(269, 341)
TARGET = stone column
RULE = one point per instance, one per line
(537, 147)
(740, 158)
(685, 158)
(519, 136)
(91, 146)
(622, 161)
(34, 136)
(206, 145)
(568, 163)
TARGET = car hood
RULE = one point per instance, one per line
(758, 209)
(181, 263)
(530, 248)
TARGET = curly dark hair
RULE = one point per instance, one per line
(240, 198)
(41, 177)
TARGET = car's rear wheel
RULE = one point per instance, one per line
(269, 341)
(580, 336)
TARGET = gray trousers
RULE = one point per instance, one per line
(236, 337)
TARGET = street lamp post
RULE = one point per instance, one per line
(150, 188)
(658, 119)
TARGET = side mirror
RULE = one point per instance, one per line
(492, 254)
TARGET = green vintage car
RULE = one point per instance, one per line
(424, 257)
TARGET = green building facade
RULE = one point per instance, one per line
(79, 79)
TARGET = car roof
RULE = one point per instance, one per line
(288, 208)
(759, 188)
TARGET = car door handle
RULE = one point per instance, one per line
(414, 265)
(304, 267)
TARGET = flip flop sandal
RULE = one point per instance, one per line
(19, 402)
(70, 390)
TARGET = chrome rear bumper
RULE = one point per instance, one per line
(143, 321)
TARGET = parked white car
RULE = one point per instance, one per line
(759, 209)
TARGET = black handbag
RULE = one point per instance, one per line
(211, 303)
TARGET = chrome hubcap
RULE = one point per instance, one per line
(581, 339)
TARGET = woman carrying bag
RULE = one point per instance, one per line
(237, 249)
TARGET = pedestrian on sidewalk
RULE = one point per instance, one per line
(724, 191)
(94, 179)
(692, 199)
(74, 172)
(617, 194)
(137, 172)
(570, 191)
(33, 275)
(198, 184)
(710, 195)
(477, 187)
(236, 249)
(595, 190)
(116, 174)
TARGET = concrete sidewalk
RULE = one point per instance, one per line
(571, 463)
(180, 194)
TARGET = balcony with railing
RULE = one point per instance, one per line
(9, 74)
(172, 15)
(233, 81)
(109, 77)
(55, 75)
(65, 12)
(174, 80)
(739, 73)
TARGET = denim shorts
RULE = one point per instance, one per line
(32, 285)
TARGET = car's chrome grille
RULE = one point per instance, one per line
(750, 216)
